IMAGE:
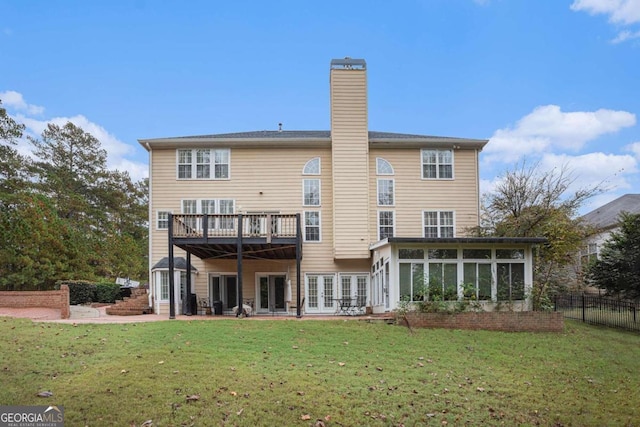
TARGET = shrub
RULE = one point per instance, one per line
(80, 291)
(107, 292)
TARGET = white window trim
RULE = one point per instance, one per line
(319, 192)
(304, 227)
(393, 172)
(212, 165)
(378, 225)
(437, 178)
(319, 167)
(158, 212)
(438, 211)
(393, 187)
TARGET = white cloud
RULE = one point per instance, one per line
(634, 148)
(13, 99)
(611, 171)
(622, 13)
(548, 128)
(625, 35)
(117, 151)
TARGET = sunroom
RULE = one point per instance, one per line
(495, 272)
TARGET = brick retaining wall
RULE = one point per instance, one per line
(48, 299)
(509, 321)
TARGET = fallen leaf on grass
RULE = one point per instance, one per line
(45, 394)
(240, 412)
(480, 389)
(305, 417)
(341, 364)
(193, 398)
(148, 423)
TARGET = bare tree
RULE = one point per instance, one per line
(530, 202)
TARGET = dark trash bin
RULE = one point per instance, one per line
(194, 304)
(217, 308)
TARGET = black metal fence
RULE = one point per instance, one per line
(598, 310)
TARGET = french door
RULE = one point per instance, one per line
(272, 294)
(320, 293)
(223, 288)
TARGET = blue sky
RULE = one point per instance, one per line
(548, 81)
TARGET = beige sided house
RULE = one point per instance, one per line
(319, 222)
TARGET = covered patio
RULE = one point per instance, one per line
(270, 236)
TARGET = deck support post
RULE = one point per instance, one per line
(298, 262)
(172, 296)
(239, 258)
(188, 293)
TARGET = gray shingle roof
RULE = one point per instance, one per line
(179, 263)
(301, 135)
(607, 216)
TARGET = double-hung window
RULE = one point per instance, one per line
(437, 164)
(386, 224)
(209, 207)
(312, 226)
(203, 163)
(162, 220)
(438, 223)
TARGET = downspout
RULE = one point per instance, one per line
(298, 262)
(152, 294)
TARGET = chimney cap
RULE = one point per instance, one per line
(348, 63)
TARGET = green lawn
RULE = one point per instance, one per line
(345, 373)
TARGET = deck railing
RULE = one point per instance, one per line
(226, 225)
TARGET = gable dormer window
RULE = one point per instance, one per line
(203, 163)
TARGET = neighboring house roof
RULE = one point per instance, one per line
(179, 263)
(317, 136)
(608, 216)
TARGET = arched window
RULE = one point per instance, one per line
(383, 167)
(312, 167)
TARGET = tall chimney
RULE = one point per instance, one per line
(350, 158)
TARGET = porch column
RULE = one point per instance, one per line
(172, 296)
(188, 296)
(298, 262)
(239, 260)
